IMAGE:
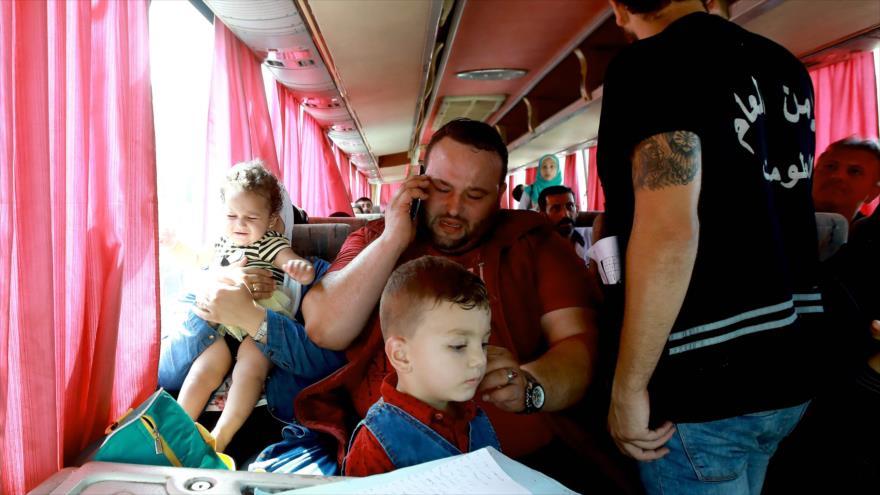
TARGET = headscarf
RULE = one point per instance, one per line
(535, 188)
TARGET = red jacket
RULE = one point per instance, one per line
(529, 270)
(367, 457)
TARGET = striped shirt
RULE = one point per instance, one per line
(259, 254)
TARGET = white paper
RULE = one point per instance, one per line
(467, 475)
(485, 471)
(607, 256)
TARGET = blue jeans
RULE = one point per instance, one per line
(301, 451)
(728, 456)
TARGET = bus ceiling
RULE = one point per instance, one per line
(383, 75)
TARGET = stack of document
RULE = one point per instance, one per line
(482, 472)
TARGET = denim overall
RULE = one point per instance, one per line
(408, 441)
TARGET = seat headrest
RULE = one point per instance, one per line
(585, 218)
(321, 240)
(354, 223)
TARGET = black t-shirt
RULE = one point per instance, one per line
(751, 103)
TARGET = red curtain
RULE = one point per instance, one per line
(321, 187)
(79, 313)
(315, 175)
(286, 125)
(356, 179)
(513, 180)
(366, 187)
(344, 168)
(846, 102)
(570, 175)
(531, 175)
(595, 194)
(384, 194)
(387, 192)
(239, 126)
(361, 186)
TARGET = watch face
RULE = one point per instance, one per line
(538, 397)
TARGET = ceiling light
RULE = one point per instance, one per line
(491, 74)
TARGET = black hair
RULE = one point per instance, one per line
(518, 192)
(647, 6)
(552, 191)
(478, 134)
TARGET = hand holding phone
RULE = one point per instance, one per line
(414, 207)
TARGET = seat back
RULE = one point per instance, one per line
(323, 240)
(585, 218)
(354, 223)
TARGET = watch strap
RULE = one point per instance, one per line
(260, 336)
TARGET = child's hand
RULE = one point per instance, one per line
(300, 270)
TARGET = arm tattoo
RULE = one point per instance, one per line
(668, 159)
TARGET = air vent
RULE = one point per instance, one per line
(327, 111)
(363, 160)
(274, 63)
(473, 107)
(348, 141)
(345, 126)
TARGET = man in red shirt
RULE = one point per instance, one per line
(543, 323)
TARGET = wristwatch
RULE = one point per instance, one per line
(260, 336)
(534, 393)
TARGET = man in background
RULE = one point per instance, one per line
(365, 205)
(847, 176)
(558, 205)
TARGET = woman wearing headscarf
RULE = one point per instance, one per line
(549, 174)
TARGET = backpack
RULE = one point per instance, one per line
(159, 433)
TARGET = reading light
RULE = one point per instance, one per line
(272, 59)
(491, 74)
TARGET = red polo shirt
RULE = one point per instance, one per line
(367, 456)
(529, 271)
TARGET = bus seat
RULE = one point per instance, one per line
(323, 240)
(354, 223)
(585, 218)
(370, 216)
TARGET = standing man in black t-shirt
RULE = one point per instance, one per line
(706, 146)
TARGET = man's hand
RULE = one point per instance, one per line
(399, 226)
(503, 384)
(230, 305)
(257, 280)
(628, 424)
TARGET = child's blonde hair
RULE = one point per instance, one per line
(253, 177)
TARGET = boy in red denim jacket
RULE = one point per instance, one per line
(436, 322)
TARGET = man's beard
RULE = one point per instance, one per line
(470, 233)
(565, 226)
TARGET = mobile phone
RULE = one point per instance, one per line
(414, 207)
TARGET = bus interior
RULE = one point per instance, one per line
(377, 78)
